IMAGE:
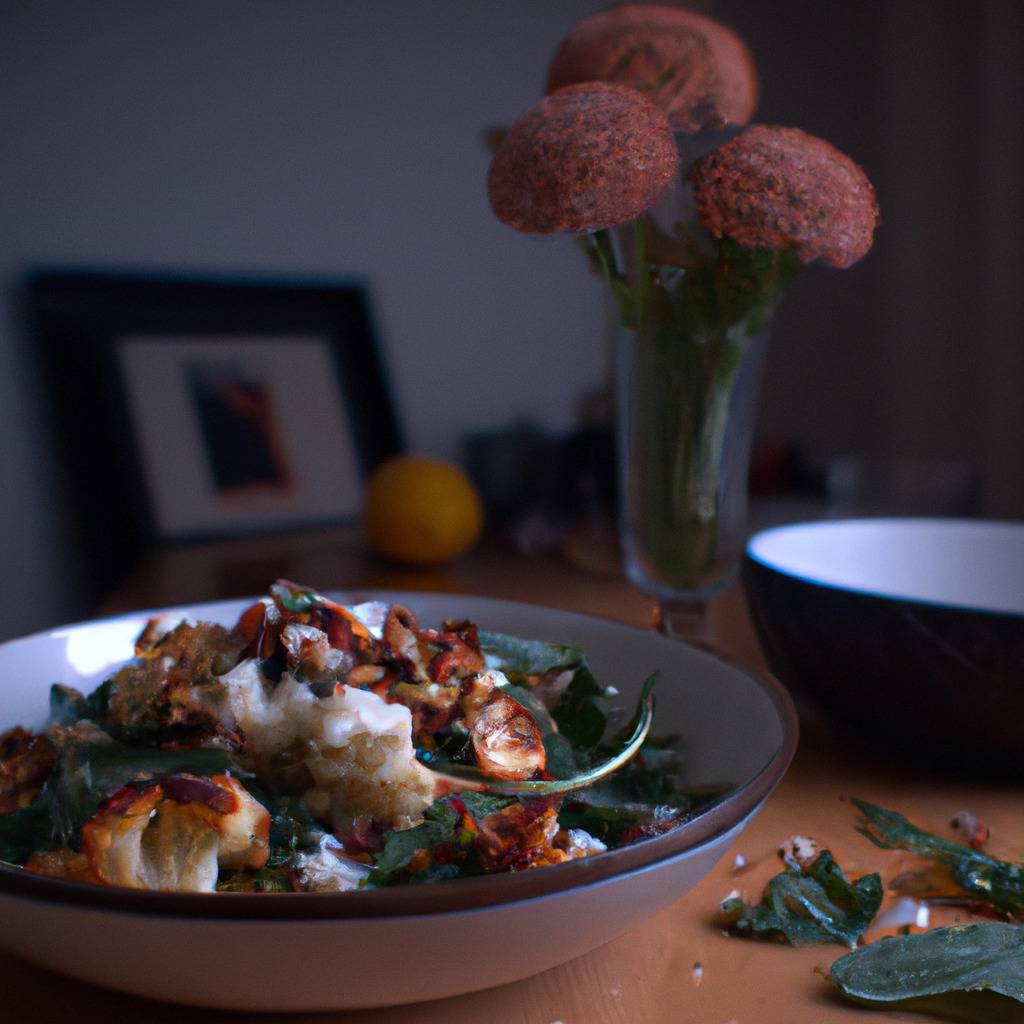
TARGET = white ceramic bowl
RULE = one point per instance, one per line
(338, 950)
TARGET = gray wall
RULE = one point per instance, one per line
(328, 138)
(292, 138)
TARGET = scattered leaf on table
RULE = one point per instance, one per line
(816, 903)
(985, 879)
(973, 958)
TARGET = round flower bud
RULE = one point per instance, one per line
(697, 70)
(589, 156)
(780, 188)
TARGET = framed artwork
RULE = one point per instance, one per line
(190, 408)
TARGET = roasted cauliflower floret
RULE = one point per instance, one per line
(173, 834)
(349, 754)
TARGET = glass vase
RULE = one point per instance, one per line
(695, 312)
(686, 415)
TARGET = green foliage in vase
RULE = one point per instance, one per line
(710, 292)
(693, 306)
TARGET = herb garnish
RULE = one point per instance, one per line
(440, 823)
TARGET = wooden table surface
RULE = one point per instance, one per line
(651, 974)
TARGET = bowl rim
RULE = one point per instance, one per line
(902, 522)
(444, 896)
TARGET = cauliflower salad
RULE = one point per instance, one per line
(311, 747)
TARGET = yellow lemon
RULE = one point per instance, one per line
(421, 511)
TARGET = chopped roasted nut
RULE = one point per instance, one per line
(26, 760)
(506, 740)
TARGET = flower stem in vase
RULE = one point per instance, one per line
(690, 357)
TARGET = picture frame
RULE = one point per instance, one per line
(192, 408)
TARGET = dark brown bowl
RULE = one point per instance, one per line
(910, 631)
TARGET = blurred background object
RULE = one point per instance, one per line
(538, 485)
(899, 487)
(196, 408)
(421, 511)
(339, 140)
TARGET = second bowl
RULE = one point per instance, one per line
(908, 630)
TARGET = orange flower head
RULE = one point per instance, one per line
(589, 156)
(780, 188)
(697, 70)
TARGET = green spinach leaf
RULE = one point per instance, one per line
(971, 958)
(562, 762)
(439, 825)
(292, 827)
(514, 656)
(642, 798)
(26, 830)
(86, 773)
(816, 903)
(67, 705)
(581, 713)
(480, 805)
(997, 883)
